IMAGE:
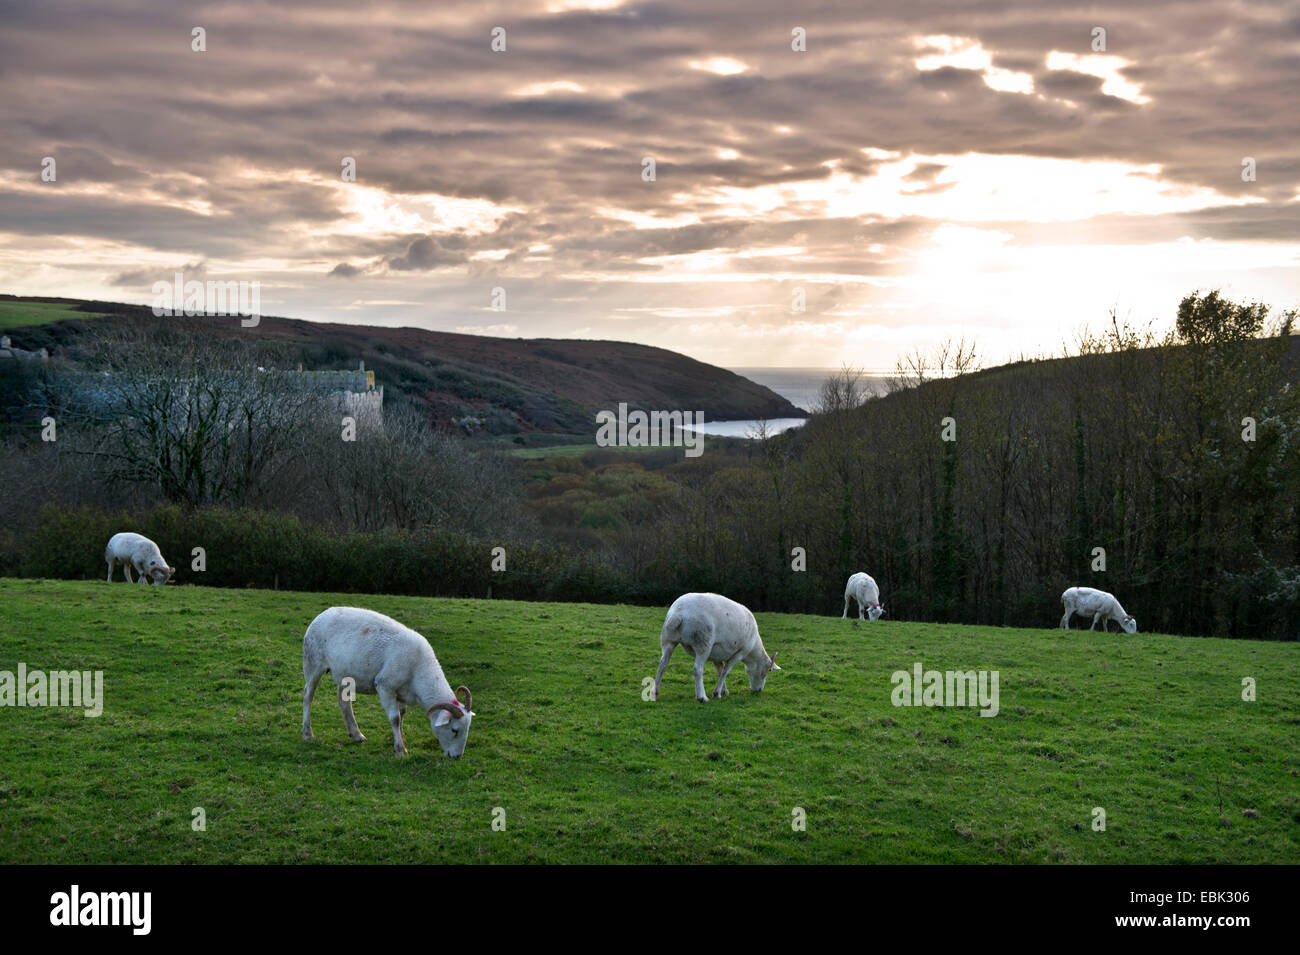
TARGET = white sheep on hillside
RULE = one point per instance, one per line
(135, 550)
(863, 589)
(714, 628)
(1098, 604)
(367, 652)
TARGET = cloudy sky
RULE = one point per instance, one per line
(920, 171)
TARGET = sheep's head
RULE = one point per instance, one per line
(875, 612)
(160, 573)
(1129, 623)
(450, 722)
(758, 671)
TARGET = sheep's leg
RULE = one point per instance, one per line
(126, 571)
(308, 694)
(701, 657)
(350, 721)
(1095, 617)
(388, 699)
(860, 617)
(845, 615)
(110, 570)
(723, 670)
(140, 575)
(663, 665)
(1065, 621)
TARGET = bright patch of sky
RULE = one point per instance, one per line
(984, 188)
(553, 86)
(964, 53)
(370, 211)
(722, 65)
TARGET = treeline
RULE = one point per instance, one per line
(1165, 469)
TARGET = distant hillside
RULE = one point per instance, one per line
(509, 385)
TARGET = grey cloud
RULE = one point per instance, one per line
(1067, 82)
(144, 278)
(429, 252)
(925, 172)
(949, 77)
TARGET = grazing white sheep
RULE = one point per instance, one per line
(718, 629)
(135, 550)
(863, 589)
(381, 656)
(1100, 605)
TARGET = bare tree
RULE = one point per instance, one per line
(842, 391)
(400, 473)
(195, 418)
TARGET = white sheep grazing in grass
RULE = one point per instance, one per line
(863, 589)
(718, 629)
(379, 655)
(1100, 605)
(135, 550)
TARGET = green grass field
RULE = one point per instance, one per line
(19, 314)
(203, 692)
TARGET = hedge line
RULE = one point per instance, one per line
(245, 548)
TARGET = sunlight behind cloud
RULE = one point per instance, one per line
(642, 220)
(722, 65)
(369, 211)
(553, 86)
(1103, 66)
(967, 54)
(984, 188)
(565, 6)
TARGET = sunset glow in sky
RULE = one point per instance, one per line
(923, 170)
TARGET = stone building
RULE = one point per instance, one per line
(354, 390)
(7, 350)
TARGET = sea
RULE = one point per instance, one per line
(800, 386)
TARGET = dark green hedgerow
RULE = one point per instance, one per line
(243, 548)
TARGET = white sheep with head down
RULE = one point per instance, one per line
(714, 628)
(1097, 604)
(863, 589)
(367, 652)
(138, 551)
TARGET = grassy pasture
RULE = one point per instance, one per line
(21, 314)
(202, 707)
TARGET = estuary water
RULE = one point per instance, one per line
(800, 386)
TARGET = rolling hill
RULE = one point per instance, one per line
(509, 385)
